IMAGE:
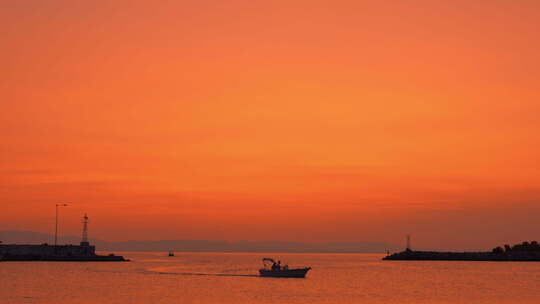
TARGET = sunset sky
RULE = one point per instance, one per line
(273, 120)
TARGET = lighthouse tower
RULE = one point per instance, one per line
(84, 241)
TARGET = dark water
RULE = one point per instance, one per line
(232, 278)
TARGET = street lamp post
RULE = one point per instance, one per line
(56, 225)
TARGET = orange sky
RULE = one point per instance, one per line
(265, 120)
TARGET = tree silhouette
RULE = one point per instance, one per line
(533, 246)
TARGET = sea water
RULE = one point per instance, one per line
(232, 278)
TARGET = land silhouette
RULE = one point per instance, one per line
(30, 237)
(525, 251)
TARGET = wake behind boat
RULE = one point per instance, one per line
(275, 270)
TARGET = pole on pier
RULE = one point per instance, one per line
(56, 223)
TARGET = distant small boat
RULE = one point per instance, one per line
(171, 254)
(275, 270)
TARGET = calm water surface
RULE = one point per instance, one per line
(231, 278)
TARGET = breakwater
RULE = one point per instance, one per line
(411, 255)
(44, 252)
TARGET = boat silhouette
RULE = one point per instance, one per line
(275, 270)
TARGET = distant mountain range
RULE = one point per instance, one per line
(30, 237)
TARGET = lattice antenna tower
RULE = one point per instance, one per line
(408, 242)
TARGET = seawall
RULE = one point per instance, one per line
(44, 252)
(410, 255)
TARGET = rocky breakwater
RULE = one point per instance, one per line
(45, 252)
(526, 251)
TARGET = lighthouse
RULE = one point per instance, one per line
(84, 241)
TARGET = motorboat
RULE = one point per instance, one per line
(275, 270)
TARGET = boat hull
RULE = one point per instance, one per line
(289, 273)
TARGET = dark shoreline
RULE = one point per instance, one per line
(97, 258)
(61, 253)
(410, 255)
